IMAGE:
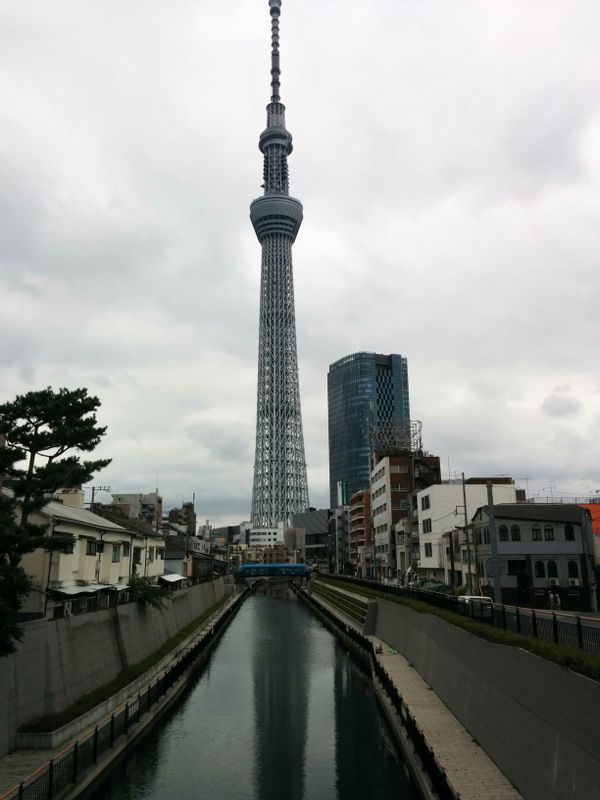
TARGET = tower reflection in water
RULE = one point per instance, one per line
(281, 667)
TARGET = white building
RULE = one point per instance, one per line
(439, 511)
(267, 537)
(98, 568)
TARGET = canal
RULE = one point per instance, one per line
(280, 711)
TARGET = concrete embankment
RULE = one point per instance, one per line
(60, 661)
(441, 756)
(535, 719)
(69, 770)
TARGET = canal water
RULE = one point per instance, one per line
(280, 711)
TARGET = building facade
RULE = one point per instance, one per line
(393, 479)
(317, 547)
(542, 548)
(97, 570)
(280, 487)
(368, 410)
(360, 535)
(438, 511)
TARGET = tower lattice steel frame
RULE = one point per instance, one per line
(280, 486)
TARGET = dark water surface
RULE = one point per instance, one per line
(280, 711)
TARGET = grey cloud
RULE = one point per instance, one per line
(558, 405)
(450, 214)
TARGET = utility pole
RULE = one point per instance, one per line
(494, 544)
(94, 490)
(451, 540)
(470, 573)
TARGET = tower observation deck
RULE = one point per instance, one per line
(280, 486)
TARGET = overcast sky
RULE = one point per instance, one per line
(447, 153)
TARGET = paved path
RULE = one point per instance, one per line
(470, 771)
(22, 763)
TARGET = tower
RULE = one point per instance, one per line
(280, 488)
(368, 410)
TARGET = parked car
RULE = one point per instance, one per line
(477, 605)
(474, 598)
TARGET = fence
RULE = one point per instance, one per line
(568, 630)
(67, 768)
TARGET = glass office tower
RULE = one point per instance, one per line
(368, 410)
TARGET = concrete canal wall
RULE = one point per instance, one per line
(61, 660)
(538, 721)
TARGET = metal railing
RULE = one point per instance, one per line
(567, 630)
(68, 767)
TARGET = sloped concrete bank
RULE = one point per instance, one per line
(60, 661)
(83, 762)
(537, 720)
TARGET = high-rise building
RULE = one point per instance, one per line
(369, 410)
(280, 487)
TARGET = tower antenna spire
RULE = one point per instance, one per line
(280, 489)
(275, 7)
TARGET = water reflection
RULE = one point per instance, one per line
(281, 665)
(282, 712)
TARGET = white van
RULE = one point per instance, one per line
(477, 605)
(475, 598)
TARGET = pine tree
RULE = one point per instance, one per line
(39, 430)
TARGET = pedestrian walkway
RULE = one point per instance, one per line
(470, 771)
(19, 765)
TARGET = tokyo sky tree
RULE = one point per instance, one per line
(280, 487)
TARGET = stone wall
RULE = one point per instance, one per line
(61, 660)
(538, 721)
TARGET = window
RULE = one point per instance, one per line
(427, 525)
(486, 535)
(150, 554)
(548, 533)
(503, 533)
(91, 547)
(573, 569)
(570, 537)
(515, 533)
(540, 569)
(428, 550)
(515, 567)
(116, 552)
(425, 504)
(137, 555)
(536, 533)
(552, 569)
(125, 549)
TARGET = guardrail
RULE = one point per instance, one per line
(67, 768)
(568, 630)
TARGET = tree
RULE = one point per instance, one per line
(146, 593)
(39, 429)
